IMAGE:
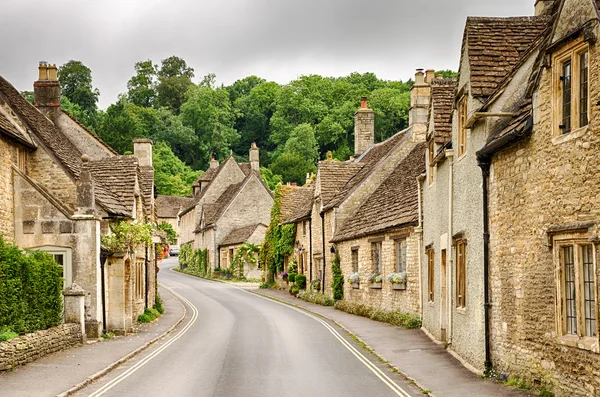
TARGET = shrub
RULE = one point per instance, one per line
(148, 316)
(337, 285)
(294, 289)
(158, 305)
(301, 281)
(315, 285)
(393, 317)
(292, 277)
(30, 290)
(6, 334)
(316, 297)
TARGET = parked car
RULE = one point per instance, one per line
(174, 250)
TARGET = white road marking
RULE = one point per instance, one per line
(143, 362)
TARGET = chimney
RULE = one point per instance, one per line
(429, 76)
(254, 157)
(420, 94)
(86, 202)
(308, 179)
(364, 128)
(142, 149)
(46, 90)
(214, 163)
(543, 7)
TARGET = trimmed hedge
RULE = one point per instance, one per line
(300, 281)
(405, 320)
(316, 297)
(30, 290)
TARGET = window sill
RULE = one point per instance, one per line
(461, 310)
(375, 286)
(574, 134)
(585, 343)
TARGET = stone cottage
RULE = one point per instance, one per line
(62, 188)
(168, 209)
(227, 197)
(540, 167)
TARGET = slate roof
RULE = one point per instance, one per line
(367, 162)
(296, 204)
(206, 176)
(146, 176)
(10, 126)
(442, 99)
(496, 45)
(239, 236)
(169, 206)
(120, 173)
(334, 176)
(393, 204)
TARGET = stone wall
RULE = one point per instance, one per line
(30, 347)
(385, 298)
(7, 157)
(47, 171)
(542, 182)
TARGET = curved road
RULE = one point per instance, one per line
(234, 343)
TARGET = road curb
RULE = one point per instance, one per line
(366, 347)
(126, 358)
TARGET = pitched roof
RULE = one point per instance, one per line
(212, 212)
(120, 173)
(296, 204)
(518, 126)
(368, 162)
(333, 176)
(393, 204)
(10, 125)
(169, 206)
(206, 176)
(495, 46)
(442, 98)
(241, 235)
(146, 176)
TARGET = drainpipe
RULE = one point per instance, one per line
(310, 248)
(103, 291)
(323, 258)
(484, 164)
(146, 281)
(449, 257)
(420, 181)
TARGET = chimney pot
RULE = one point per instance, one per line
(364, 104)
(419, 77)
(429, 75)
(52, 73)
(214, 163)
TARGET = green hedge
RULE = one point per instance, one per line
(394, 317)
(30, 290)
(301, 281)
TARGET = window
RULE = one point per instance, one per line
(21, 159)
(430, 274)
(139, 279)
(461, 279)
(462, 123)
(578, 289)
(62, 256)
(400, 255)
(231, 255)
(376, 257)
(355, 260)
(571, 89)
(431, 156)
(304, 228)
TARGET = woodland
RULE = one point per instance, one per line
(295, 124)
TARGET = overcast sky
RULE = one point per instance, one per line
(278, 40)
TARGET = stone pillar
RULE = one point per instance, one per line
(46, 90)
(254, 157)
(74, 310)
(364, 128)
(420, 95)
(86, 201)
(142, 149)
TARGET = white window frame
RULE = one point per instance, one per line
(67, 264)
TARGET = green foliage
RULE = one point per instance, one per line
(141, 88)
(185, 257)
(337, 284)
(148, 316)
(293, 266)
(76, 85)
(246, 254)
(448, 74)
(294, 289)
(270, 179)
(171, 176)
(315, 285)
(174, 79)
(291, 277)
(30, 290)
(292, 167)
(316, 297)
(300, 281)
(29, 96)
(6, 333)
(393, 317)
(158, 304)
(279, 240)
(168, 229)
(194, 262)
(126, 236)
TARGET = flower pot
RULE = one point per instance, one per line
(399, 287)
(355, 285)
(376, 285)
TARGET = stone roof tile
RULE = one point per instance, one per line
(442, 99)
(240, 235)
(169, 206)
(296, 204)
(334, 176)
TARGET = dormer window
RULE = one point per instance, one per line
(571, 89)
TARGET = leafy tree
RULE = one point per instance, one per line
(142, 87)
(76, 84)
(168, 229)
(391, 111)
(29, 96)
(292, 167)
(302, 142)
(447, 74)
(243, 87)
(270, 179)
(171, 176)
(174, 79)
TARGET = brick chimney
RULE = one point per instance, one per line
(543, 7)
(364, 128)
(254, 157)
(46, 89)
(142, 149)
(420, 94)
(214, 163)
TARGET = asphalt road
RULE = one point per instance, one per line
(234, 343)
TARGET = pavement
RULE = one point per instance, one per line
(56, 373)
(411, 352)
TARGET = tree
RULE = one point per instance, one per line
(171, 176)
(292, 168)
(302, 142)
(391, 111)
(76, 84)
(142, 87)
(270, 179)
(447, 74)
(243, 87)
(174, 79)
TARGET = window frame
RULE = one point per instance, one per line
(354, 252)
(572, 56)
(430, 275)
(399, 258)
(461, 146)
(376, 265)
(461, 273)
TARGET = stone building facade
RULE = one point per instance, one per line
(167, 210)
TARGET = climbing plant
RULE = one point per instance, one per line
(279, 239)
(245, 254)
(337, 285)
(125, 236)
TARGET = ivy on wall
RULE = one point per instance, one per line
(125, 236)
(279, 240)
(245, 254)
(194, 261)
(337, 285)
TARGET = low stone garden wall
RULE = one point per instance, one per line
(30, 347)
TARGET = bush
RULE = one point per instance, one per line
(315, 285)
(337, 285)
(31, 287)
(301, 281)
(6, 334)
(292, 277)
(148, 316)
(316, 297)
(294, 289)
(393, 317)
(158, 305)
